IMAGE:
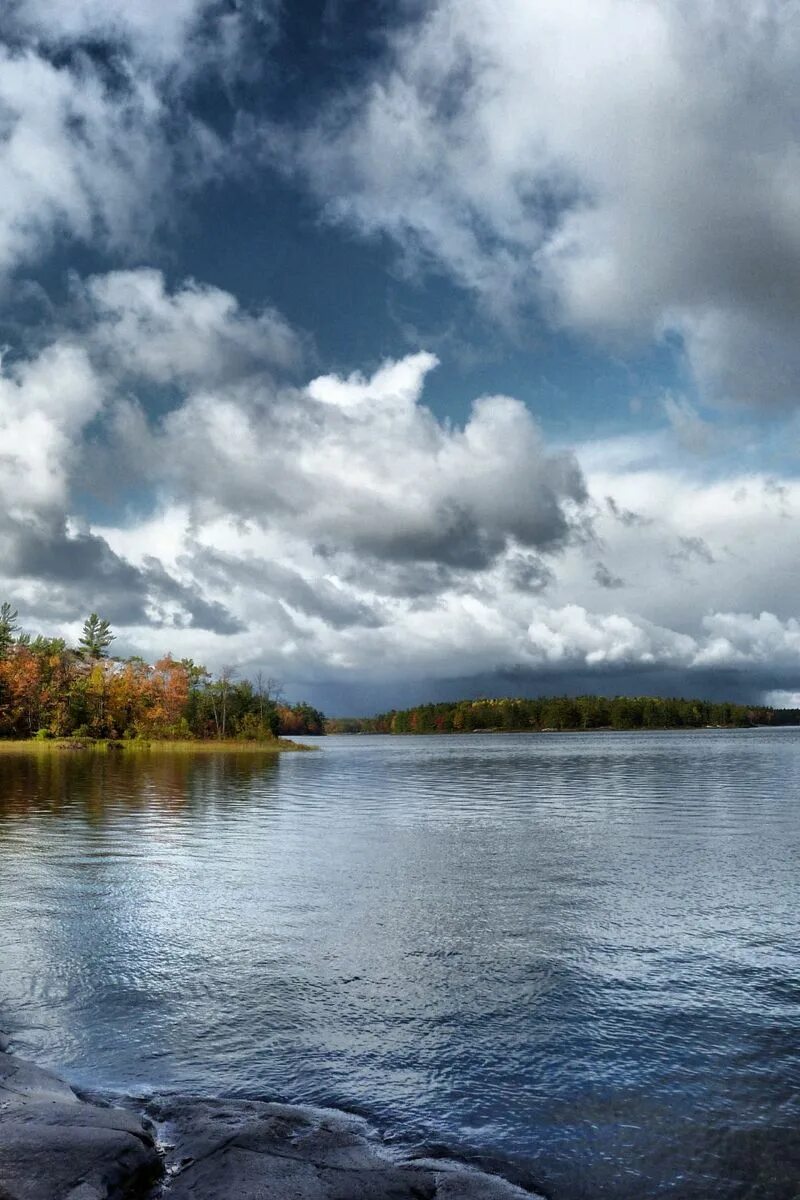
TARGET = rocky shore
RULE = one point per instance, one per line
(58, 1145)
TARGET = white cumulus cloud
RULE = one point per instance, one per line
(631, 169)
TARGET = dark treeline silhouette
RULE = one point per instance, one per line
(49, 689)
(566, 713)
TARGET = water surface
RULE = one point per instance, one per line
(576, 954)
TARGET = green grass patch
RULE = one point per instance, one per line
(146, 746)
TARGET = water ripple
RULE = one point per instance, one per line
(577, 955)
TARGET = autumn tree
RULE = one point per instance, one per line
(97, 687)
(168, 698)
(129, 695)
(20, 678)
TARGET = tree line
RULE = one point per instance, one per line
(49, 689)
(566, 713)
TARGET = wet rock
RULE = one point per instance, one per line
(259, 1151)
(54, 1146)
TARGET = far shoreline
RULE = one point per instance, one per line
(457, 733)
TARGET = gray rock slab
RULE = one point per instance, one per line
(54, 1146)
(217, 1150)
(20, 1079)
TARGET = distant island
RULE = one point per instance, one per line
(52, 691)
(565, 713)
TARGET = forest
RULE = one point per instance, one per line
(566, 713)
(51, 690)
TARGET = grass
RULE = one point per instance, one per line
(144, 745)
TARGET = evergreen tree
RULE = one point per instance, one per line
(9, 627)
(96, 636)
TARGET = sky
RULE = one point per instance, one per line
(407, 351)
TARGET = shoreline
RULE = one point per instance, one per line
(144, 746)
(60, 1143)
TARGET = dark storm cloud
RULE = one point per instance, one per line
(370, 695)
(741, 685)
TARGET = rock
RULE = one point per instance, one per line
(23, 1081)
(54, 1146)
(217, 1150)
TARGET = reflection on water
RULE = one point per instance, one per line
(96, 786)
(577, 954)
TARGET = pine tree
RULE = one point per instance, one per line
(9, 627)
(96, 637)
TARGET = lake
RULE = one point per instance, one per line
(573, 956)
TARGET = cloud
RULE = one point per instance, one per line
(61, 570)
(529, 573)
(622, 171)
(77, 158)
(693, 433)
(321, 604)
(98, 135)
(727, 639)
(630, 170)
(48, 405)
(781, 698)
(333, 502)
(361, 465)
(195, 334)
(692, 549)
(625, 516)
(605, 578)
(45, 404)
(337, 606)
(339, 533)
(155, 35)
(127, 330)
